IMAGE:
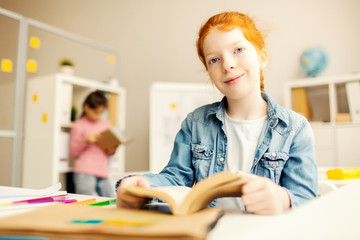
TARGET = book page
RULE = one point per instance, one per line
(121, 135)
(173, 195)
(178, 193)
(219, 185)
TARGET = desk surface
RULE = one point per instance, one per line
(332, 216)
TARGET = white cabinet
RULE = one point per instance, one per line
(325, 145)
(347, 141)
(169, 105)
(336, 140)
(49, 100)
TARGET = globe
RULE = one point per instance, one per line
(314, 61)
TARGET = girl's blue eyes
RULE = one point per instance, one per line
(215, 60)
(239, 50)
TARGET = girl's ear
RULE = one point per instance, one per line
(263, 58)
(86, 108)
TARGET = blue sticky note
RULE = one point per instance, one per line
(89, 221)
(94, 221)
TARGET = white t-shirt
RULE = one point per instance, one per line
(242, 140)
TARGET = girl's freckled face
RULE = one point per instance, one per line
(233, 63)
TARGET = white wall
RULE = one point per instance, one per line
(156, 40)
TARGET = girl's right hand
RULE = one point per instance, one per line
(126, 200)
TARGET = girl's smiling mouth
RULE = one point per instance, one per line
(234, 80)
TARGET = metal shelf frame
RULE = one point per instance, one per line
(20, 81)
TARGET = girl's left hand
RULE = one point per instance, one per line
(262, 196)
(110, 151)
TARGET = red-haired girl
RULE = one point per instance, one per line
(247, 131)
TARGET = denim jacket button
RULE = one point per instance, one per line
(196, 156)
(222, 159)
(273, 166)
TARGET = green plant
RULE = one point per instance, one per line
(66, 62)
(73, 113)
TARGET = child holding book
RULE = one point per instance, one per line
(91, 163)
(247, 131)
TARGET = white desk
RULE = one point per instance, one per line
(332, 216)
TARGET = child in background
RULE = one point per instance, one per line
(247, 131)
(91, 163)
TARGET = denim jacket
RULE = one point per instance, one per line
(285, 152)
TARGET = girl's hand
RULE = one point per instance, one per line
(110, 151)
(126, 200)
(262, 196)
(91, 138)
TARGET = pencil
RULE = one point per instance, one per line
(85, 202)
(108, 202)
(40, 199)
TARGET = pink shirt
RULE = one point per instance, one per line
(89, 158)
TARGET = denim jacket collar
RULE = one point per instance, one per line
(274, 112)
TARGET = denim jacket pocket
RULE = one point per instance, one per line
(272, 164)
(201, 159)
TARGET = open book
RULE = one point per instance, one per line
(184, 200)
(112, 138)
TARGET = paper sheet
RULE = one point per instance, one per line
(10, 194)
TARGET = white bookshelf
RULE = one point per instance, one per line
(335, 142)
(47, 126)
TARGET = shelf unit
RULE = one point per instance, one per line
(335, 142)
(47, 126)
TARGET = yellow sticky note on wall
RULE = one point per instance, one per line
(111, 59)
(44, 118)
(35, 98)
(173, 106)
(34, 42)
(31, 66)
(6, 65)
